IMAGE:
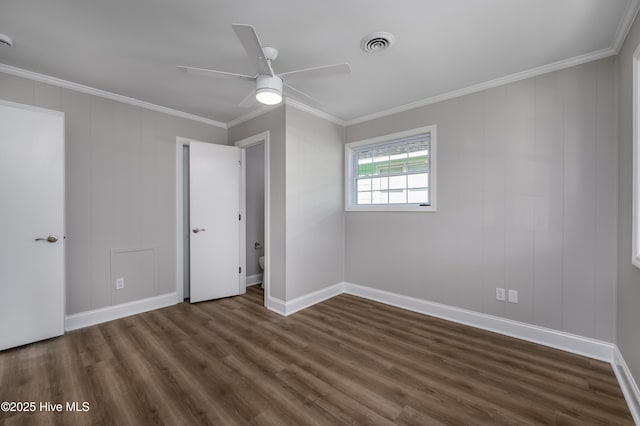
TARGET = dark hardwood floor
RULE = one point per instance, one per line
(344, 361)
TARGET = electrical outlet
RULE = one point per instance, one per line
(500, 294)
(119, 283)
(513, 296)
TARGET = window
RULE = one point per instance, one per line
(395, 172)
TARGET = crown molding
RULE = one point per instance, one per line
(263, 109)
(19, 72)
(313, 111)
(633, 6)
(533, 72)
(625, 24)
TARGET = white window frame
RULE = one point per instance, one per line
(635, 256)
(349, 175)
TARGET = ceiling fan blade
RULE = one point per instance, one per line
(248, 100)
(307, 99)
(214, 73)
(316, 72)
(251, 44)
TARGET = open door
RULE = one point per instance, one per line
(215, 179)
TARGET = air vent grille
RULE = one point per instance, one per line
(376, 42)
(5, 40)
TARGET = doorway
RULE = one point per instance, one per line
(260, 140)
(183, 228)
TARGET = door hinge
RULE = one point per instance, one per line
(239, 217)
(239, 269)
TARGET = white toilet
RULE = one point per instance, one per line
(261, 263)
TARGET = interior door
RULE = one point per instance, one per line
(214, 194)
(31, 224)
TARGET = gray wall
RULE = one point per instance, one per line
(274, 122)
(315, 215)
(628, 275)
(120, 192)
(306, 189)
(527, 200)
(254, 162)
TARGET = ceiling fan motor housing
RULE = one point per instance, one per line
(269, 86)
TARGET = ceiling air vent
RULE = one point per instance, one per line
(376, 42)
(5, 40)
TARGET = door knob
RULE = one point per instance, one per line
(49, 239)
(196, 230)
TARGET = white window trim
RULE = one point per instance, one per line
(349, 195)
(635, 256)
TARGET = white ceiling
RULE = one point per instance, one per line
(131, 47)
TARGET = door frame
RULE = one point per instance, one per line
(243, 144)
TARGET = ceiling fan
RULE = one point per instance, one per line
(269, 85)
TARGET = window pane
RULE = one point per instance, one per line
(418, 164)
(364, 184)
(418, 196)
(398, 197)
(418, 181)
(397, 157)
(380, 163)
(380, 183)
(393, 172)
(380, 197)
(365, 163)
(397, 182)
(364, 198)
(419, 152)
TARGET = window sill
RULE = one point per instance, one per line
(398, 209)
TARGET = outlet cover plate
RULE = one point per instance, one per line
(119, 283)
(500, 294)
(513, 296)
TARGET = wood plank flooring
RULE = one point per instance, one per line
(344, 361)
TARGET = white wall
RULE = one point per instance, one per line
(527, 200)
(315, 215)
(254, 162)
(120, 192)
(628, 275)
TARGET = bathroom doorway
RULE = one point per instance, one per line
(256, 195)
(254, 213)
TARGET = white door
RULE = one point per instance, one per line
(214, 178)
(31, 224)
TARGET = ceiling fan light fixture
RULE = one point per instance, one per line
(268, 96)
(269, 89)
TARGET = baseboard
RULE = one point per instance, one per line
(289, 307)
(303, 302)
(97, 316)
(568, 342)
(253, 280)
(276, 305)
(580, 345)
(627, 384)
